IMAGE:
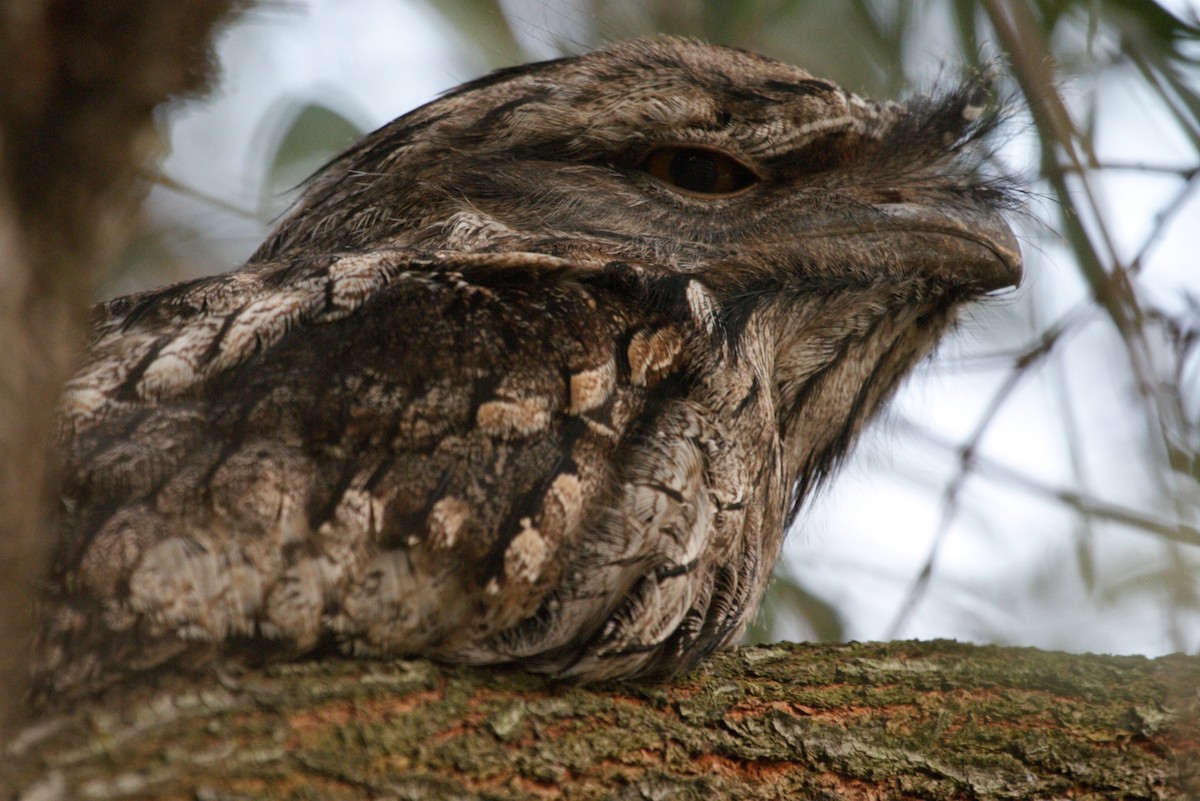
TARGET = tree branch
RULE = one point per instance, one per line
(902, 720)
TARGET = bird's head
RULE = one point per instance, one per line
(694, 158)
(836, 236)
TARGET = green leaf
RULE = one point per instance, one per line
(316, 134)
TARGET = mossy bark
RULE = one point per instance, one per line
(936, 720)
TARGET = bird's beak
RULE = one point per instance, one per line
(970, 245)
(961, 244)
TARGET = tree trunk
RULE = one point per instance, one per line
(79, 82)
(938, 720)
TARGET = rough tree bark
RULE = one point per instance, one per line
(909, 720)
(79, 82)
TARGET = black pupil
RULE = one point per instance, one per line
(696, 172)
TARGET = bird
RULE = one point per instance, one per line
(538, 374)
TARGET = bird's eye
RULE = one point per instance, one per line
(698, 170)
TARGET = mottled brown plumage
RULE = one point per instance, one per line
(538, 373)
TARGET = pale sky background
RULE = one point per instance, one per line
(1006, 569)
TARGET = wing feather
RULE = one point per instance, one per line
(387, 449)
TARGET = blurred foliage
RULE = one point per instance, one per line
(484, 23)
(313, 134)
